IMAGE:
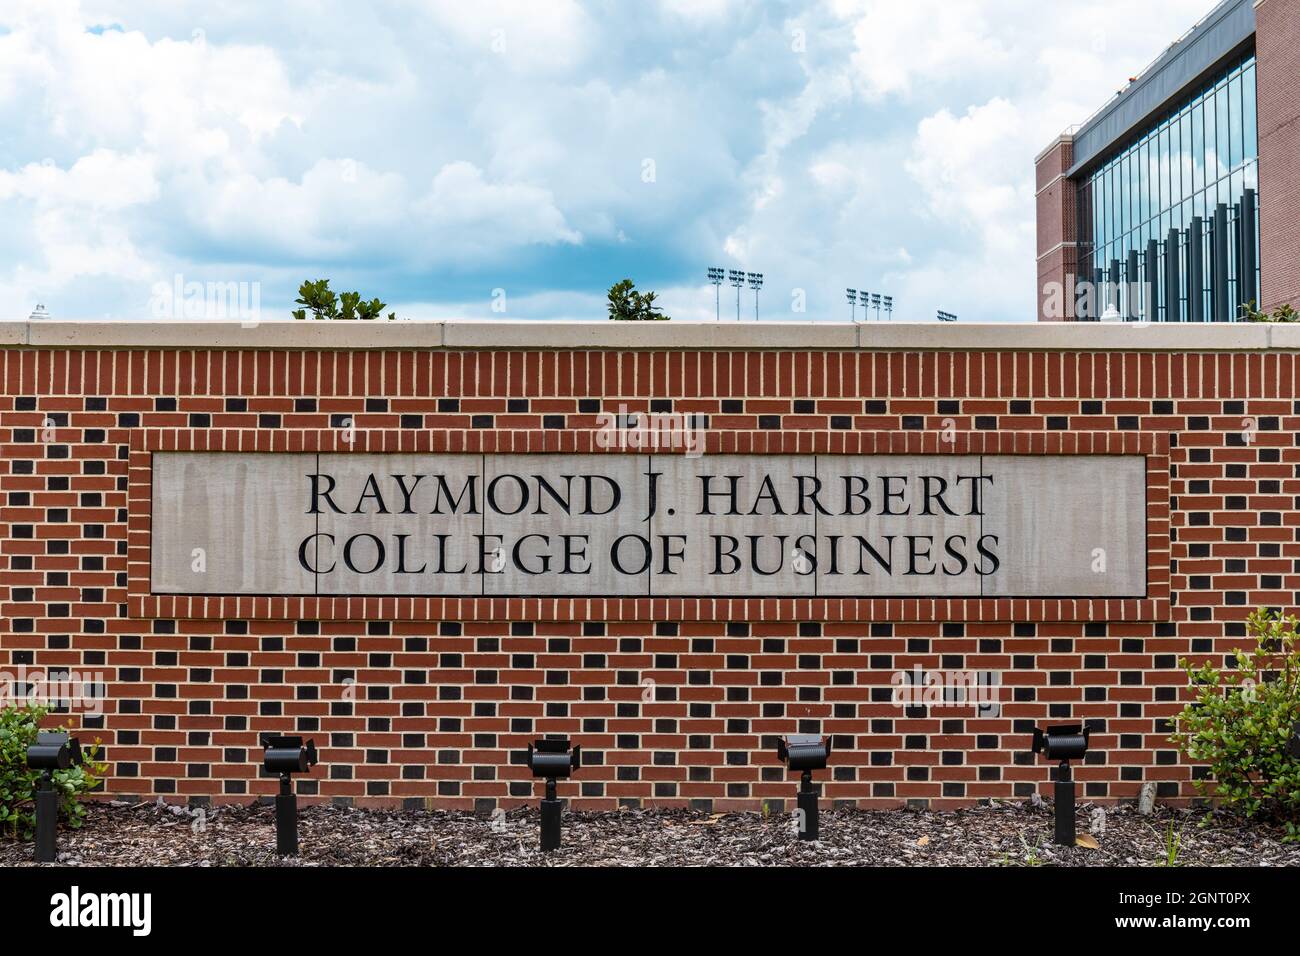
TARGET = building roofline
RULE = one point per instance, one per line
(1065, 137)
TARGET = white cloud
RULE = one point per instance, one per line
(960, 165)
(120, 88)
(461, 200)
(899, 45)
(697, 10)
(102, 180)
(518, 35)
(343, 208)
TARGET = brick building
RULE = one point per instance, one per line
(429, 698)
(1178, 201)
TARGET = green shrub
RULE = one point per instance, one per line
(628, 305)
(1240, 724)
(320, 301)
(18, 728)
(1283, 313)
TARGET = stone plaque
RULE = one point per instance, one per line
(637, 525)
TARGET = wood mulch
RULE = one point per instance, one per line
(1000, 834)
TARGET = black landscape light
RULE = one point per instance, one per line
(1064, 742)
(287, 756)
(53, 750)
(1293, 747)
(805, 753)
(551, 758)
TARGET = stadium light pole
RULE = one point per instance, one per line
(716, 275)
(875, 304)
(889, 308)
(946, 316)
(852, 295)
(737, 278)
(756, 283)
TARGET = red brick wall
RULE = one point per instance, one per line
(1277, 48)
(1057, 230)
(438, 708)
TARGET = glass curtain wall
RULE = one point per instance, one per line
(1169, 225)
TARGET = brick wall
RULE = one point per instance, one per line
(407, 711)
(1277, 45)
(1056, 228)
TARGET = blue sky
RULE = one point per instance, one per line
(432, 153)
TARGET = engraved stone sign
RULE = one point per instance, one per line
(635, 525)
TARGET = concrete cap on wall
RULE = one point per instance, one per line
(874, 336)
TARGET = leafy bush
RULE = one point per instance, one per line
(627, 304)
(18, 728)
(319, 299)
(1283, 313)
(1241, 723)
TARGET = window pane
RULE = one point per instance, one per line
(1153, 176)
(1125, 187)
(1175, 179)
(1140, 182)
(1129, 163)
(1098, 197)
(1135, 206)
(1117, 186)
(1211, 156)
(1184, 155)
(1112, 203)
(1198, 146)
(1234, 116)
(1248, 112)
(1223, 129)
(1147, 182)
(1103, 229)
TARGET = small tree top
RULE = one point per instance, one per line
(319, 299)
(627, 304)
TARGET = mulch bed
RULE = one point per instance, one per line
(1001, 834)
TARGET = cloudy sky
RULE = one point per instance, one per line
(513, 158)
